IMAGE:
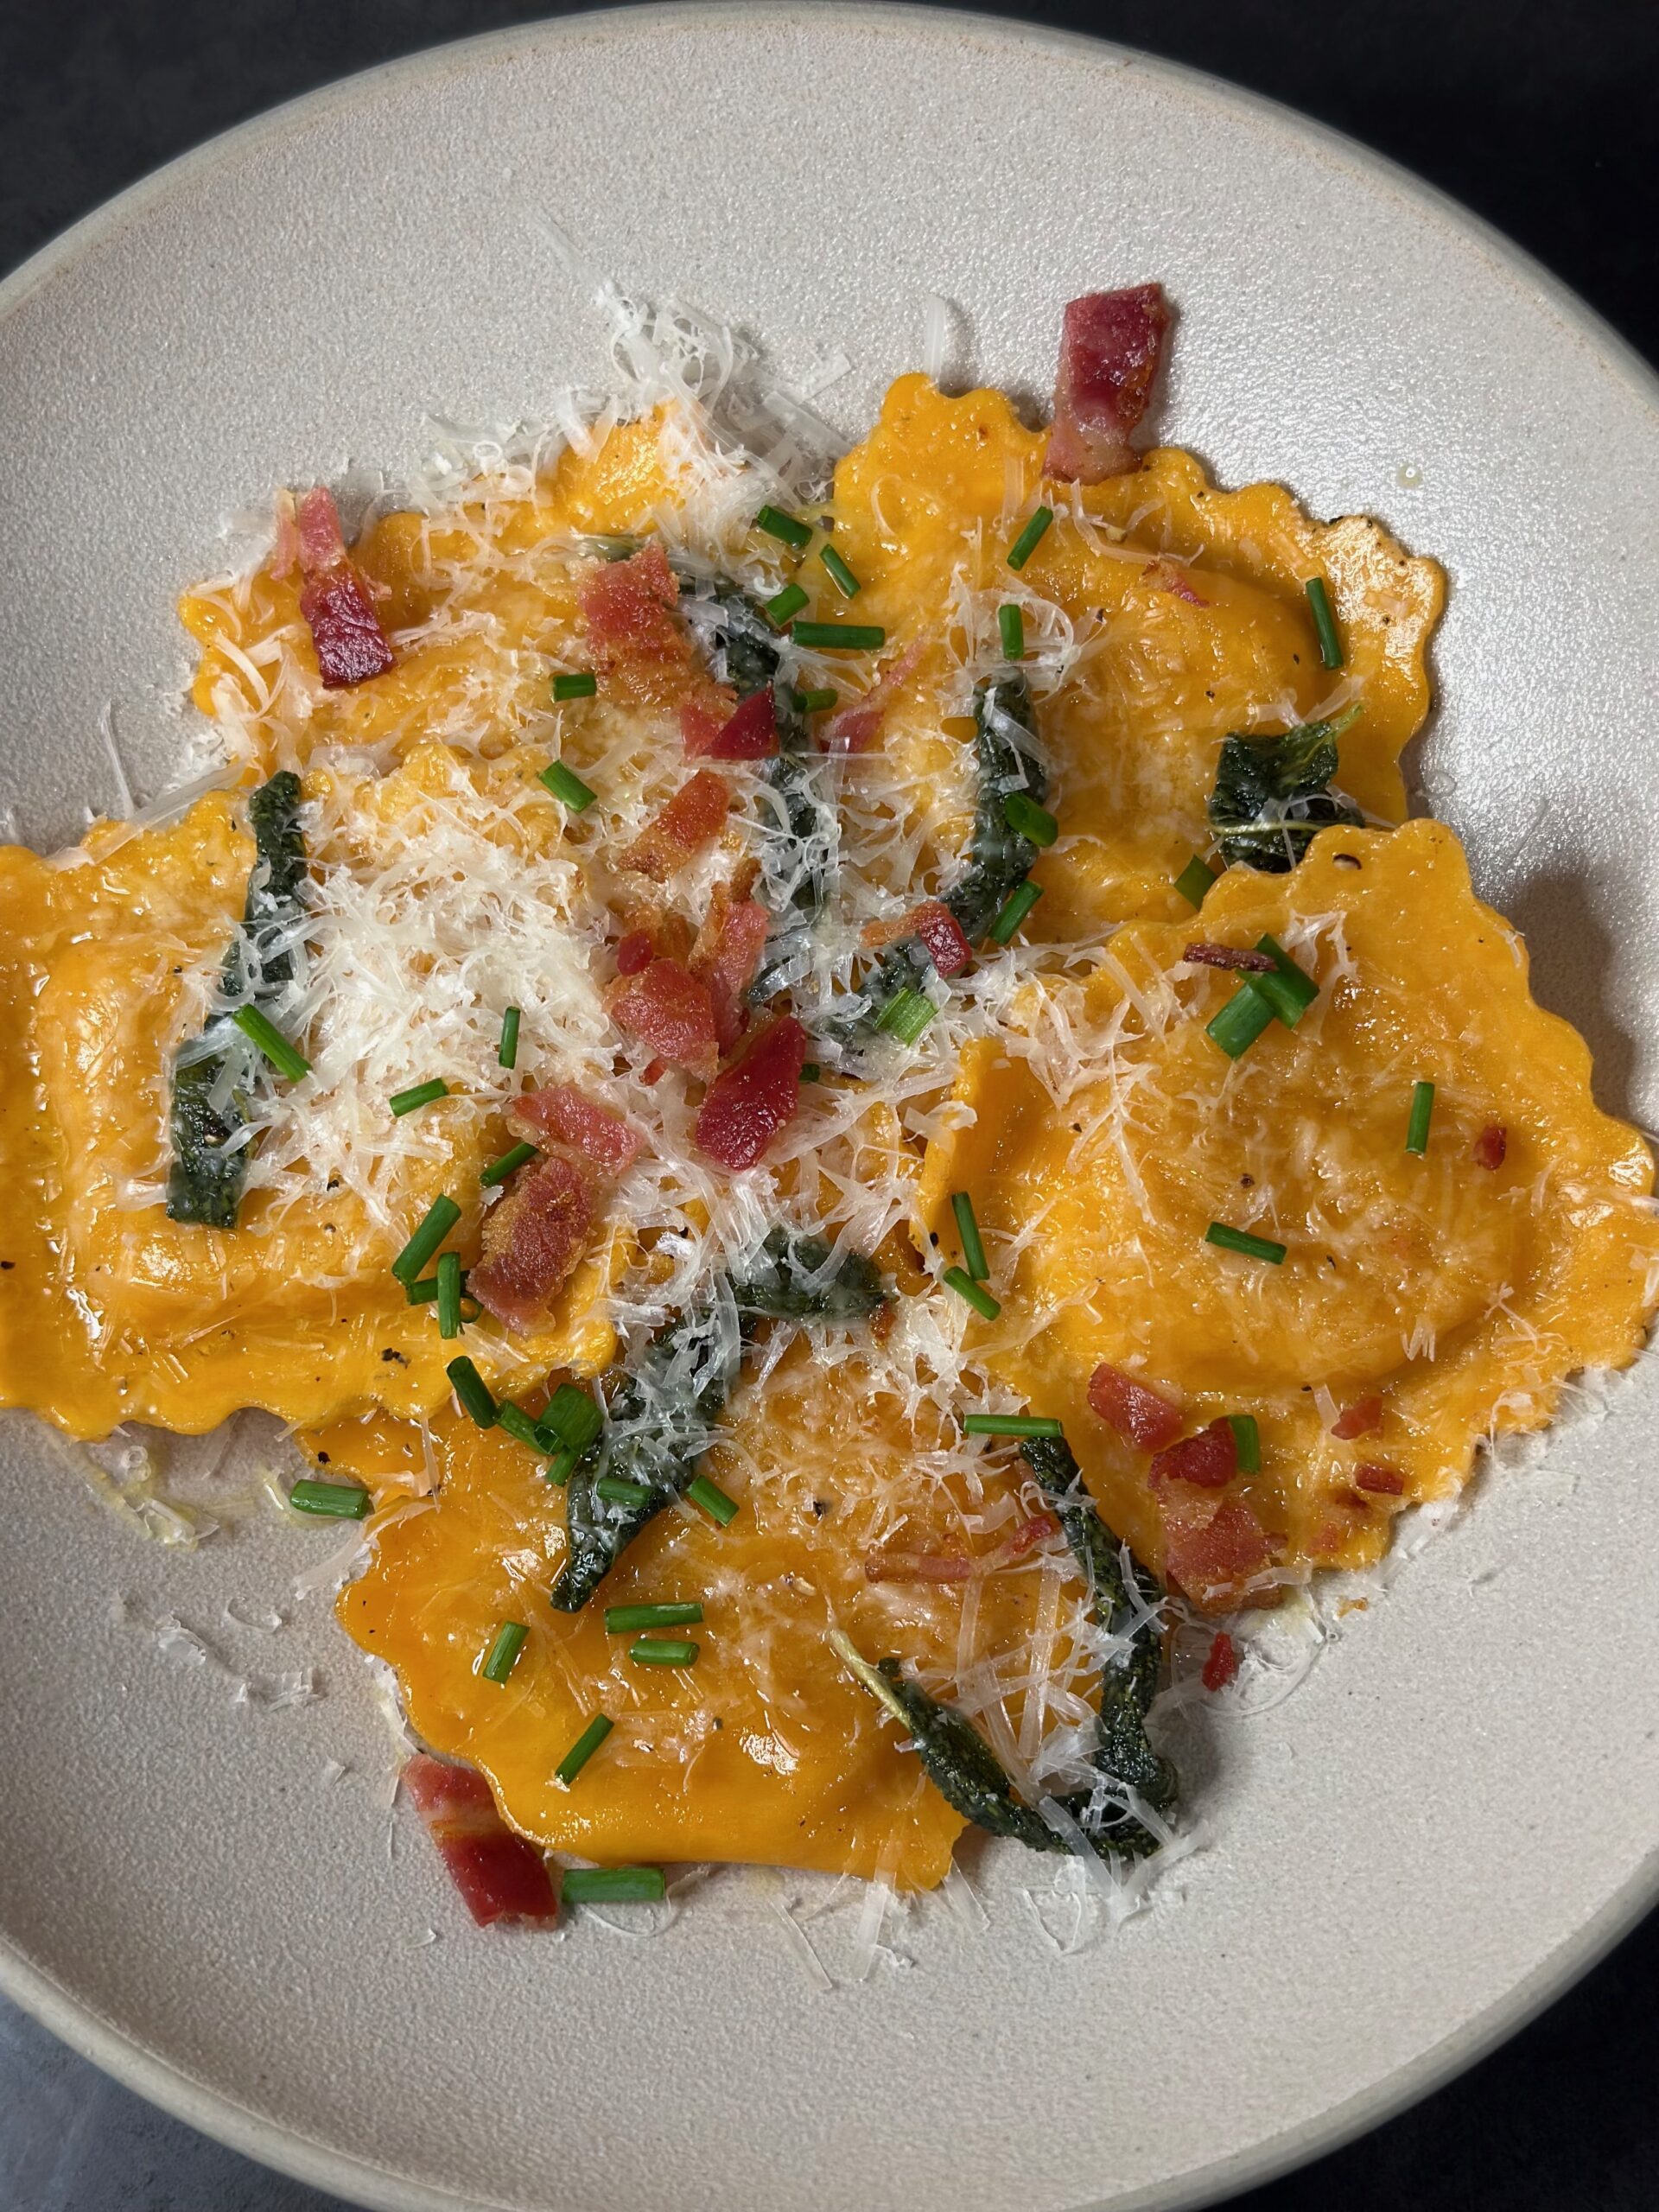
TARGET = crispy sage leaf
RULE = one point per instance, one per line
(1270, 800)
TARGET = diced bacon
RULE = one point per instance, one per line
(565, 1115)
(1027, 1534)
(755, 1097)
(1221, 1664)
(1358, 1420)
(1209, 1460)
(937, 928)
(653, 1071)
(1134, 1410)
(692, 819)
(1382, 1481)
(533, 1242)
(725, 957)
(669, 1008)
(499, 1874)
(1491, 1145)
(633, 952)
(749, 733)
(351, 646)
(1229, 955)
(917, 1567)
(1171, 576)
(1110, 345)
(1213, 1555)
(857, 728)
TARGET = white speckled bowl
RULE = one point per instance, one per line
(1389, 1883)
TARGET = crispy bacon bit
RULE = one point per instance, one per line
(500, 1876)
(653, 1071)
(1134, 1410)
(1228, 956)
(1382, 1481)
(1222, 1665)
(755, 1098)
(1491, 1145)
(1214, 1554)
(917, 1567)
(1027, 1535)
(750, 734)
(857, 728)
(693, 818)
(633, 952)
(1209, 1460)
(1171, 576)
(351, 646)
(937, 928)
(640, 647)
(563, 1114)
(725, 957)
(1358, 1420)
(533, 1241)
(1110, 345)
(666, 1007)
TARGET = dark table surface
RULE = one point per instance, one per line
(1541, 115)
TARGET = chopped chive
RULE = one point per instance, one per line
(816, 702)
(612, 1885)
(1247, 1441)
(1016, 906)
(1422, 1108)
(1030, 538)
(905, 1015)
(421, 1094)
(784, 604)
(973, 1247)
(583, 1749)
(563, 1463)
(663, 1651)
(519, 1426)
(1289, 990)
(1012, 1425)
(840, 576)
(616, 1491)
(508, 1163)
(785, 528)
(473, 1391)
(502, 1657)
(331, 1501)
(271, 1042)
(1240, 1240)
(571, 1418)
(441, 1217)
(1324, 622)
(577, 683)
(1011, 624)
(506, 1053)
(1194, 881)
(448, 1294)
(1241, 1022)
(811, 1071)
(1024, 815)
(568, 787)
(839, 637)
(627, 1620)
(975, 1294)
(712, 1500)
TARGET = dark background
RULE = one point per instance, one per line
(1542, 115)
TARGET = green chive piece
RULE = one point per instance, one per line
(616, 1491)
(571, 1418)
(1241, 1022)
(519, 1426)
(712, 1500)
(628, 1620)
(1030, 538)
(583, 1749)
(840, 576)
(663, 1651)
(975, 1294)
(973, 1247)
(577, 683)
(506, 1053)
(271, 1042)
(1247, 1440)
(811, 1071)
(441, 1217)
(839, 637)
(1194, 881)
(1240, 1240)
(448, 1294)
(1289, 990)
(1012, 1425)
(905, 1015)
(509, 1164)
(612, 1885)
(422, 1094)
(331, 1501)
(1324, 622)
(1017, 906)
(816, 702)
(473, 1391)
(784, 605)
(785, 528)
(1011, 624)
(421, 1293)
(1422, 1108)
(502, 1657)
(563, 1463)
(1023, 814)
(568, 787)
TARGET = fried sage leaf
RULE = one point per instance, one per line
(788, 1282)
(207, 1174)
(1270, 800)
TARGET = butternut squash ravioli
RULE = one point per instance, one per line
(822, 1097)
